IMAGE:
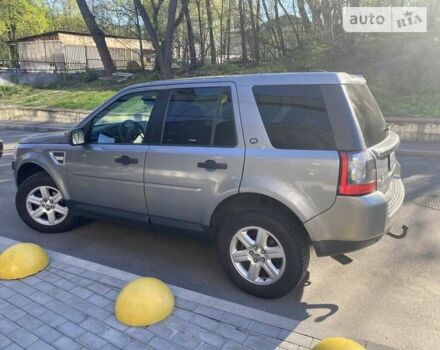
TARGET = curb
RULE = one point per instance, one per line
(418, 153)
(37, 128)
(224, 305)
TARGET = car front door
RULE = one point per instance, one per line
(197, 159)
(106, 174)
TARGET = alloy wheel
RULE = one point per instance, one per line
(257, 255)
(45, 205)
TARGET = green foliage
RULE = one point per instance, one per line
(419, 106)
(65, 15)
(21, 17)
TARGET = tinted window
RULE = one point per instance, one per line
(294, 116)
(368, 114)
(200, 116)
(125, 120)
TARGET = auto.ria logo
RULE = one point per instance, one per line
(385, 19)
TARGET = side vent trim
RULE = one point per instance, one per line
(58, 157)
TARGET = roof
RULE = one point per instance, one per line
(26, 38)
(302, 78)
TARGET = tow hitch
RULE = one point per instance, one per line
(399, 236)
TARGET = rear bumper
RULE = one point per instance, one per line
(353, 223)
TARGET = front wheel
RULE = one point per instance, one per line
(263, 252)
(41, 206)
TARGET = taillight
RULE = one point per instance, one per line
(357, 173)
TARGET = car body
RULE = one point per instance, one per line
(1, 147)
(311, 150)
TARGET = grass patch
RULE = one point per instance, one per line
(419, 106)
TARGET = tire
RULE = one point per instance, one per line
(287, 233)
(63, 222)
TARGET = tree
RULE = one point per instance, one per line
(64, 15)
(20, 18)
(162, 48)
(279, 31)
(255, 29)
(228, 31)
(270, 25)
(211, 32)
(98, 37)
(139, 34)
(292, 23)
(242, 30)
(190, 33)
(304, 15)
(201, 33)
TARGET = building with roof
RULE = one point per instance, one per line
(64, 51)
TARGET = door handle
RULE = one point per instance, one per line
(212, 165)
(126, 160)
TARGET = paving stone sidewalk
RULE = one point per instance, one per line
(70, 306)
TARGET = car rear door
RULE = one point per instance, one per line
(197, 159)
(379, 140)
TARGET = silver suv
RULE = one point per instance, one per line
(269, 164)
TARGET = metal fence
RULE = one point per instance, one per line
(55, 57)
(64, 67)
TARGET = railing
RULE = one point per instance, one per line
(35, 66)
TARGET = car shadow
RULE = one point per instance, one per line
(302, 308)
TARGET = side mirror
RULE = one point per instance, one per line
(76, 137)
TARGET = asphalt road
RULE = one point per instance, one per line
(389, 294)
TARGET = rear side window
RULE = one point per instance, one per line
(200, 116)
(368, 114)
(295, 116)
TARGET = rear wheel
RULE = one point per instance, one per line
(41, 206)
(264, 252)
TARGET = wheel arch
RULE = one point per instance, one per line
(239, 201)
(32, 167)
(28, 169)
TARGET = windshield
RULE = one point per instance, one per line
(367, 112)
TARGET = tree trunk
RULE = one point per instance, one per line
(304, 16)
(139, 33)
(257, 32)
(255, 36)
(166, 71)
(211, 32)
(190, 32)
(164, 51)
(279, 30)
(326, 7)
(98, 37)
(316, 12)
(222, 46)
(242, 31)
(201, 35)
(292, 23)
(272, 30)
(228, 35)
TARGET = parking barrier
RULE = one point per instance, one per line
(143, 302)
(22, 260)
(338, 343)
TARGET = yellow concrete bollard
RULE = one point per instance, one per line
(338, 343)
(22, 260)
(143, 302)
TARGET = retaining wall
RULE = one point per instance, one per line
(38, 115)
(409, 129)
(416, 129)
